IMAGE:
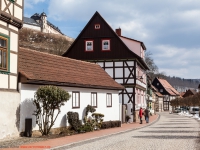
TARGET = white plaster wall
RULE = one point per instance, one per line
(13, 82)
(3, 81)
(18, 12)
(3, 31)
(13, 41)
(13, 63)
(3, 23)
(19, 2)
(9, 114)
(27, 94)
(13, 27)
(31, 27)
(119, 72)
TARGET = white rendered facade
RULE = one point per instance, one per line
(27, 108)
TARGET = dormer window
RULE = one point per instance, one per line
(105, 45)
(89, 46)
(97, 26)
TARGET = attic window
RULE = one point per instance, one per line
(157, 83)
(89, 45)
(161, 90)
(106, 45)
(97, 26)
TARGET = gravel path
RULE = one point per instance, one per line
(171, 132)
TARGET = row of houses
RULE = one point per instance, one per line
(102, 68)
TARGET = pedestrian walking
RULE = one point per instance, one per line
(140, 115)
(146, 113)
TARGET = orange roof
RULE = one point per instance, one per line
(44, 68)
(159, 94)
(168, 87)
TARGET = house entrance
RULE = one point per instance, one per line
(166, 105)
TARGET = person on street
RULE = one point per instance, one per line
(140, 115)
(146, 112)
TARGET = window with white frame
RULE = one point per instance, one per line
(75, 99)
(89, 46)
(109, 100)
(97, 26)
(106, 45)
(4, 54)
(94, 99)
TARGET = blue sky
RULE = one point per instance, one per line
(169, 29)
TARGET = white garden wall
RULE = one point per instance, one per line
(27, 108)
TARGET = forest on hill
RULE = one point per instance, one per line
(44, 42)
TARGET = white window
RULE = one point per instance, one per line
(75, 99)
(105, 45)
(157, 83)
(89, 46)
(94, 99)
(161, 90)
(97, 26)
(109, 100)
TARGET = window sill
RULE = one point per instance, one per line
(4, 72)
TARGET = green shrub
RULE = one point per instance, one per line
(110, 124)
(48, 100)
(73, 119)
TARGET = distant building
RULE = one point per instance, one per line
(167, 91)
(39, 22)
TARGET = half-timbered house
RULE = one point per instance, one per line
(11, 15)
(167, 91)
(121, 57)
(87, 83)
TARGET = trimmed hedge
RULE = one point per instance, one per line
(110, 124)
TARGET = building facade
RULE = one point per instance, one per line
(167, 91)
(121, 57)
(39, 22)
(11, 20)
(77, 77)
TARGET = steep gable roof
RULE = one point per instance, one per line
(43, 68)
(132, 54)
(168, 87)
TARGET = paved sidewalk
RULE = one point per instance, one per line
(73, 139)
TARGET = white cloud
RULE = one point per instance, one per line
(169, 29)
(30, 3)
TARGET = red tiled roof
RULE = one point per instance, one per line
(168, 87)
(159, 94)
(47, 68)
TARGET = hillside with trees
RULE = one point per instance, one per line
(178, 83)
(44, 42)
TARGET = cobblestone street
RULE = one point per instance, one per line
(170, 132)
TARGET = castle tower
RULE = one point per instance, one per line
(44, 22)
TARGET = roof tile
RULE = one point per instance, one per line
(39, 66)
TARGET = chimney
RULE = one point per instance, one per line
(118, 31)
